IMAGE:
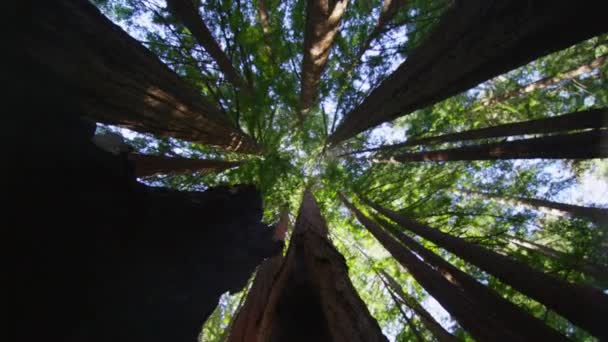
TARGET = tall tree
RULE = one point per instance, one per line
(312, 298)
(148, 165)
(473, 42)
(322, 22)
(585, 145)
(593, 118)
(187, 13)
(69, 43)
(563, 297)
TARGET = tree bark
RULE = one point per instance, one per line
(585, 145)
(148, 165)
(322, 22)
(480, 323)
(473, 42)
(265, 23)
(427, 319)
(188, 14)
(594, 118)
(312, 298)
(564, 298)
(526, 326)
(105, 74)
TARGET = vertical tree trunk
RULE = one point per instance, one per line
(322, 22)
(265, 23)
(407, 320)
(479, 322)
(564, 298)
(105, 74)
(594, 118)
(586, 145)
(473, 42)
(148, 165)
(427, 319)
(526, 326)
(312, 298)
(188, 14)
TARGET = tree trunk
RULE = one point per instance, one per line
(594, 118)
(407, 320)
(586, 145)
(312, 298)
(564, 298)
(265, 23)
(526, 326)
(473, 42)
(546, 82)
(148, 165)
(480, 323)
(100, 71)
(427, 319)
(188, 14)
(322, 22)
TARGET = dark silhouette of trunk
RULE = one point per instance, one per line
(246, 326)
(480, 323)
(148, 165)
(598, 272)
(188, 14)
(473, 42)
(426, 318)
(312, 298)
(594, 118)
(546, 82)
(596, 215)
(105, 74)
(407, 320)
(526, 326)
(585, 145)
(322, 22)
(564, 298)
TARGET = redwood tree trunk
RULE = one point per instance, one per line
(148, 165)
(586, 145)
(188, 14)
(477, 321)
(473, 42)
(597, 215)
(312, 298)
(322, 22)
(526, 326)
(105, 74)
(564, 298)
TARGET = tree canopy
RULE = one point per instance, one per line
(268, 48)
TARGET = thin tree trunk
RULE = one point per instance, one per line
(312, 298)
(480, 323)
(594, 118)
(597, 215)
(110, 77)
(265, 23)
(427, 319)
(473, 42)
(546, 82)
(322, 22)
(407, 320)
(586, 145)
(148, 165)
(515, 318)
(564, 298)
(188, 14)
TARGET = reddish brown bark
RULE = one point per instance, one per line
(110, 77)
(473, 42)
(312, 298)
(517, 320)
(148, 165)
(563, 297)
(594, 118)
(482, 325)
(188, 14)
(586, 145)
(322, 22)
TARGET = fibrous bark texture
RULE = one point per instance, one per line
(312, 298)
(114, 79)
(473, 42)
(148, 165)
